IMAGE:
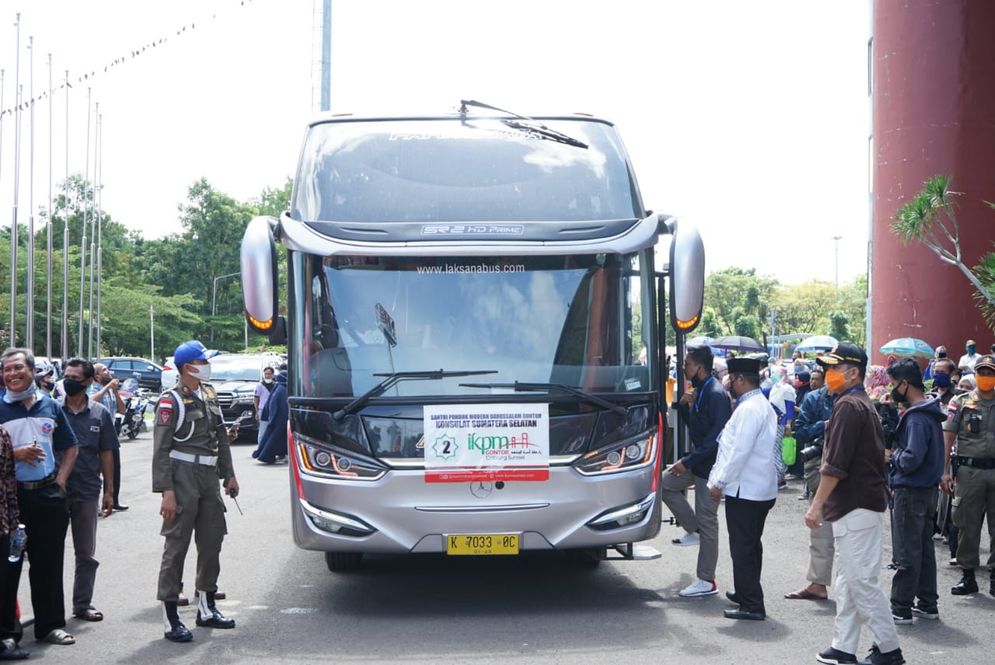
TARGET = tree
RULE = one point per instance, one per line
(930, 218)
(804, 308)
(839, 326)
(734, 292)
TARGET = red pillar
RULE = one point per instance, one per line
(933, 100)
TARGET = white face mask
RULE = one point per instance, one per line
(200, 372)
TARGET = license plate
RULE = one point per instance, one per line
(482, 544)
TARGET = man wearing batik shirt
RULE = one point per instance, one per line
(10, 627)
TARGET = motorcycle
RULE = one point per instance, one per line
(136, 402)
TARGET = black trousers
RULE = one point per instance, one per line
(117, 476)
(745, 521)
(912, 515)
(46, 519)
(10, 627)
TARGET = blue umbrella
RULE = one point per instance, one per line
(700, 340)
(817, 343)
(908, 346)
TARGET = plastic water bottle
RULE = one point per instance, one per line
(17, 542)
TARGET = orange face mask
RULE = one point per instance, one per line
(986, 384)
(835, 380)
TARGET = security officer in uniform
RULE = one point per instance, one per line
(971, 425)
(191, 453)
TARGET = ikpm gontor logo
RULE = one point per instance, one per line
(445, 447)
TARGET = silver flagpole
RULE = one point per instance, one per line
(100, 220)
(17, 184)
(82, 244)
(65, 243)
(29, 321)
(48, 235)
(93, 236)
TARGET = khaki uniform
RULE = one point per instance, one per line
(199, 506)
(972, 419)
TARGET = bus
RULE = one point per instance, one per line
(477, 307)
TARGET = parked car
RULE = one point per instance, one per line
(148, 374)
(235, 377)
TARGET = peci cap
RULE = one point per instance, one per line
(985, 362)
(844, 352)
(744, 365)
(187, 352)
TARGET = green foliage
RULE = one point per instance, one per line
(840, 326)
(735, 292)
(748, 325)
(174, 276)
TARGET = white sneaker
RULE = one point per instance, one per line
(686, 539)
(699, 588)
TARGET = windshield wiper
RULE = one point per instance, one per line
(522, 386)
(395, 378)
(529, 125)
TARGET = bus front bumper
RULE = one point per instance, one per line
(401, 513)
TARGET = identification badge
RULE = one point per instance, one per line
(95, 428)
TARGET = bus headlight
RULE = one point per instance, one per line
(323, 460)
(620, 456)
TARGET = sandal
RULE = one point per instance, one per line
(89, 614)
(58, 636)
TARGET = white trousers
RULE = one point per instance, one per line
(859, 597)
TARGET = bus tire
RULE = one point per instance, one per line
(339, 562)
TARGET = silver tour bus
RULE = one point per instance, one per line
(475, 334)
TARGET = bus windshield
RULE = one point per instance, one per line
(476, 170)
(572, 320)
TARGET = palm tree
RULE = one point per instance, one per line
(930, 218)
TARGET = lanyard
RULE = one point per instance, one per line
(701, 394)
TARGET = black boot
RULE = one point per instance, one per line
(967, 584)
(175, 630)
(208, 615)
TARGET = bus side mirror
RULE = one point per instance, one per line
(687, 277)
(259, 280)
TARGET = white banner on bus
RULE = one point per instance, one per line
(468, 442)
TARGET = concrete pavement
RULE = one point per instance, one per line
(532, 609)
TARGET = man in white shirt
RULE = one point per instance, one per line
(745, 473)
(971, 357)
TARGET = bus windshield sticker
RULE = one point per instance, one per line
(489, 442)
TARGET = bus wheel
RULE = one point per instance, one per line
(338, 562)
(587, 557)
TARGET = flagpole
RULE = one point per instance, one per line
(29, 321)
(48, 235)
(65, 243)
(100, 221)
(82, 244)
(17, 182)
(93, 233)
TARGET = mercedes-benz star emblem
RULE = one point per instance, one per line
(481, 489)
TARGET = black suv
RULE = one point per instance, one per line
(148, 374)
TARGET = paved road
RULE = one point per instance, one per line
(290, 609)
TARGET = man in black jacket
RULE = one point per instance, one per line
(916, 468)
(706, 409)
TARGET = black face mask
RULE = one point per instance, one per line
(898, 397)
(73, 387)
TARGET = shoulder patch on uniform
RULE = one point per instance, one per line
(165, 411)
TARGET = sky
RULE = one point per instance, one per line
(748, 119)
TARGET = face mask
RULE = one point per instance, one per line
(104, 380)
(267, 381)
(835, 380)
(898, 397)
(941, 354)
(200, 372)
(941, 380)
(73, 387)
(970, 350)
(986, 384)
(11, 396)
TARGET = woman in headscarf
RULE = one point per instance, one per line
(273, 447)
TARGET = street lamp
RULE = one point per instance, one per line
(214, 297)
